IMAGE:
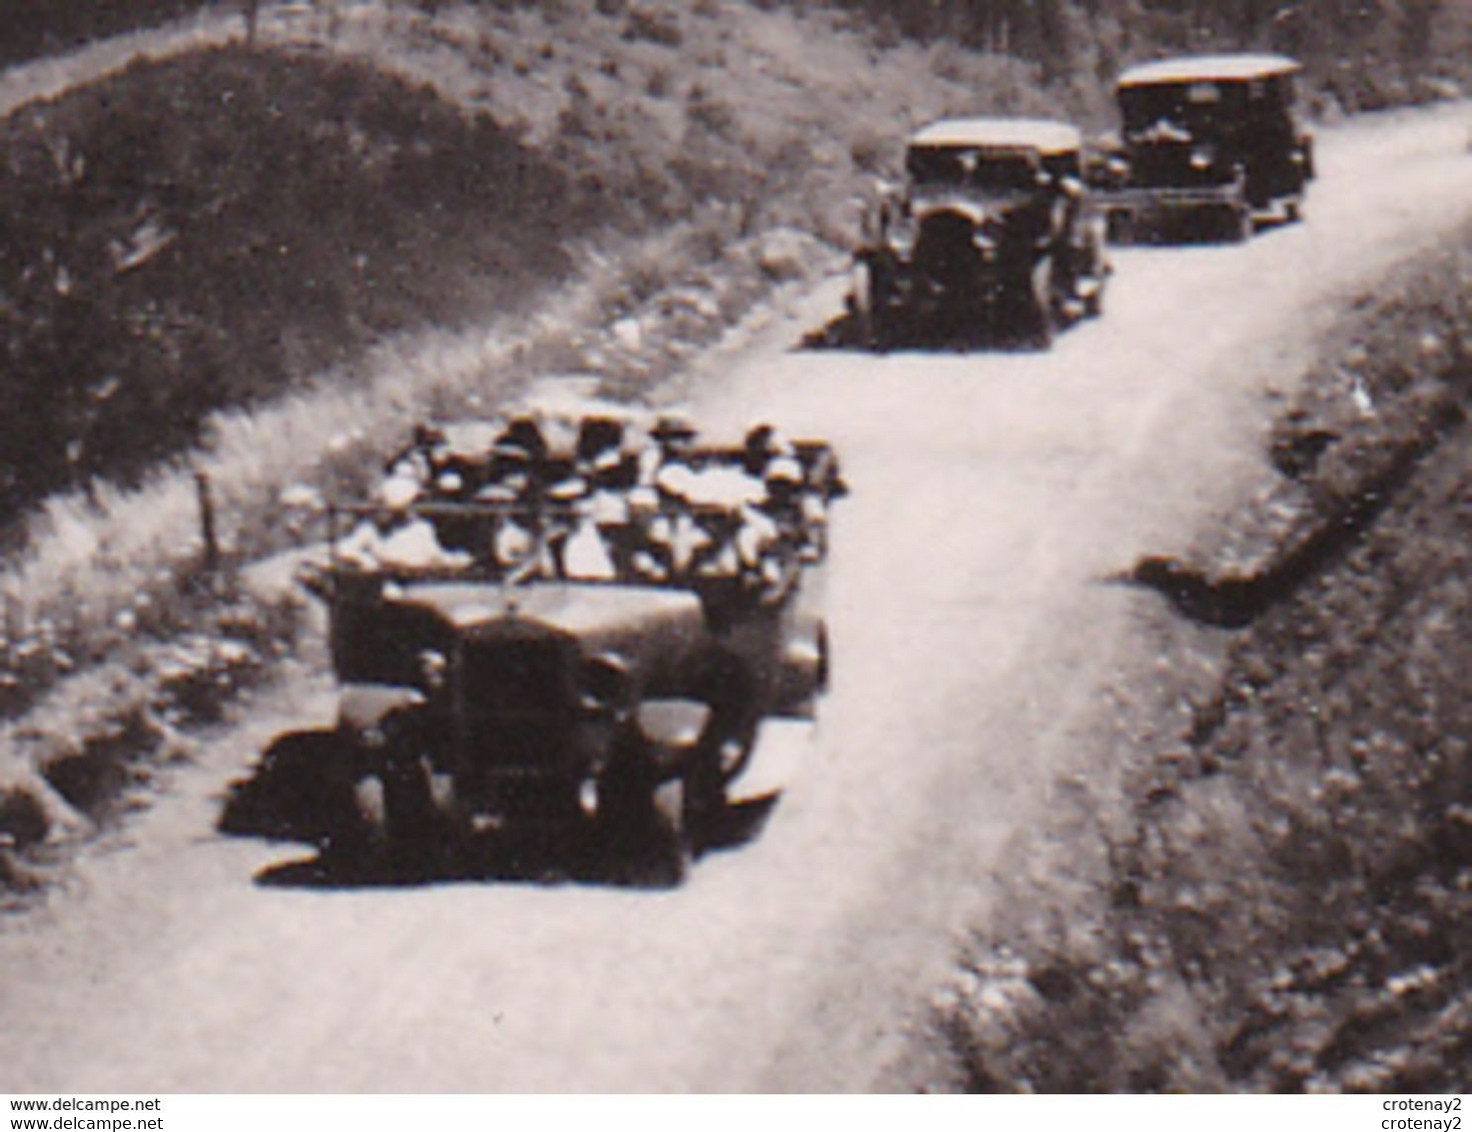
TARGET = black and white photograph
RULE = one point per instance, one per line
(765, 547)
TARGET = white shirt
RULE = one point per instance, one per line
(412, 545)
(585, 558)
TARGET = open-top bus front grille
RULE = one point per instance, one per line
(516, 675)
(515, 712)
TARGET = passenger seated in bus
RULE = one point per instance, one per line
(394, 538)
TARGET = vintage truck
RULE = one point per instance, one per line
(994, 235)
(497, 684)
(1207, 143)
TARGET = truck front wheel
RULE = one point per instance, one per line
(673, 841)
(394, 826)
(1242, 224)
(645, 826)
(1043, 312)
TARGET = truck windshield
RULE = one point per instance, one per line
(995, 170)
(1202, 109)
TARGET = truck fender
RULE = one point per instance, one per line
(804, 668)
(366, 713)
(672, 728)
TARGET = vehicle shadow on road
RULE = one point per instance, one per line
(1267, 226)
(527, 858)
(1194, 232)
(845, 332)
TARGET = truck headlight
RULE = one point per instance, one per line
(901, 239)
(605, 685)
(432, 668)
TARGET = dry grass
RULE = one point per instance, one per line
(206, 231)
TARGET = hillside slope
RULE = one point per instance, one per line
(201, 232)
(1279, 895)
(1356, 56)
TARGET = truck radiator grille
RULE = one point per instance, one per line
(515, 677)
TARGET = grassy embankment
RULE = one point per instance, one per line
(1276, 892)
(578, 186)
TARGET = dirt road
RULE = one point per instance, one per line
(992, 495)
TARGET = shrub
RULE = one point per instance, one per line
(661, 27)
(210, 230)
(710, 114)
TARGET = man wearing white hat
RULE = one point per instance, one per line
(395, 538)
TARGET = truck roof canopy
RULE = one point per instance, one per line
(1045, 136)
(1208, 68)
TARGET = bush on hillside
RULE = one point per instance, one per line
(202, 232)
